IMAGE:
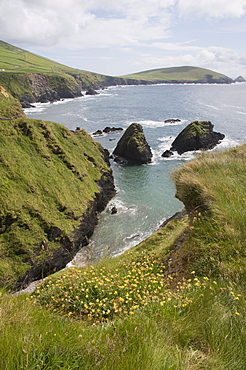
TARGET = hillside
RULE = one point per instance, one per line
(186, 74)
(29, 77)
(53, 183)
(175, 301)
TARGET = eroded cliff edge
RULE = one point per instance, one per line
(53, 184)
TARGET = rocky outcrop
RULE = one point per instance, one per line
(172, 120)
(198, 135)
(69, 246)
(133, 146)
(91, 91)
(107, 130)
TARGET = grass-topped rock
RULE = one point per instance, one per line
(53, 183)
(133, 146)
(198, 135)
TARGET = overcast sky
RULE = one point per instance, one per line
(118, 37)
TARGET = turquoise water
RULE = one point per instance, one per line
(146, 194)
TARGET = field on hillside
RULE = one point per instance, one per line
(14, 59)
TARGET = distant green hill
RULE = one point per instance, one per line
(180, 74)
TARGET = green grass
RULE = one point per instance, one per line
(189, 314)
(9, 107)
(19, 66)
(48, 177)
(14, 59)
(174, 74)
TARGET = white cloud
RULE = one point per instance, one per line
(212, 8)
(127, 26)
(184, 46)
(224, 60)
(78, 24)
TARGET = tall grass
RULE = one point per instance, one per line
(196, 323)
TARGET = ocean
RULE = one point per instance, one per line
(146, 194)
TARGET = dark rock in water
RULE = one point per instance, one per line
(167, 154)
(172, 120)
(98, 132)
(197, 135)
(107, 130)
(113, 210)
(111, 129)
(133, 145)
(91, 91)
(116, 129)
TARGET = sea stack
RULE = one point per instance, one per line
(133, 146)
(198, 135)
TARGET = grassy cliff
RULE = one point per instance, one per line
(50, 179)
(176, 301)
(29, 77)
(9, 107)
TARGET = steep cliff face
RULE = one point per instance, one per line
(33, 87)
(54, 182)
(133, 145)
(44, 87)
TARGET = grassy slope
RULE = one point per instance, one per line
(47, 177)
(198, 325)
(19, 63)
(9, 107)
(185, 73)
(17, 60)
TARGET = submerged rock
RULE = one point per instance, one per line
(133, 146)
(197, 135)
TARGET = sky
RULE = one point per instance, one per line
(118, 37)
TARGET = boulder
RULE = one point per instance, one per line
(91, 91)
(197, 135)
(113, 210)
(107, 130)
(98, 132)
(112, 129)
(167, 154)
(133, 146)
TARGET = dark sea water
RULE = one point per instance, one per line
(146, 194)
